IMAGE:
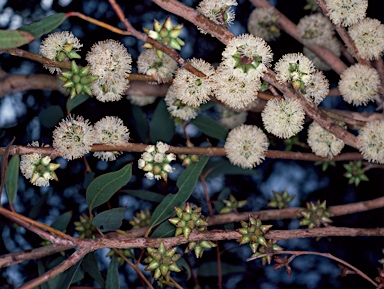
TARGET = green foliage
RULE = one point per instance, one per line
(112, 281)
(51, 116)
(144, 195)
(90, 265)
(185, 183)
(12, 178)
(110, 220)
(74, 102)
(210, 127)
(161, 127)
(104, 187)
(28, 33)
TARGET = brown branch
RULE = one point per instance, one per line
(289, 27)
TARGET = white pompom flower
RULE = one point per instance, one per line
(38, 168)
(368, 36)
(263, 22)
(315, 29)
(247, 53)
(176, 108)
(235, 88)
(141, 100)
(73, 137)
(191, 89)
(371, 141)
(218, 11)
(230, 118)
(346, 12)
(359, 84)
(162, 69)
(111, 62)
(57, 46)
(246, 146)
(322, 142)
(110, 130)
(317, 89)
(283, 117)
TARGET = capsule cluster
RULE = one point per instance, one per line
(84, 227)
(280, 200)
(252, 233)
(141, 219)
(316, 215)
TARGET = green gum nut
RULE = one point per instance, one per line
(73, 55)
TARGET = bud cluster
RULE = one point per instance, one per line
(188, 219)
(232, 205)
(355, 173)
(125, 252)
(268, 250)
(252, 233)
(316, 215)
(155, 161)
(141, 219)
(281, 200)
(84, 227)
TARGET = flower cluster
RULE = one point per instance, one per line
(141, 100)
(359, 84)
(368, 36)
(38, 168)
(315, 29)
(176, 107)
(371, 141)
(322, 142)
(246, 146)
(263, 22)
(162, 69)
(60, 46)
(111, 62)
(283, 117)
(110, 130)
(218, 11)
(73, 137)
(346, 12)
(155, 162)
(191, 89)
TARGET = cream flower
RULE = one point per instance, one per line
(176, 108)
(162, 69)
(110, 130)
(368, 36)
(191, 89)
(235, 88)
(246, 146)
(141, 100)
(359, 84)
(38, 168)
(283, 117)
(346, 12)
(218, 11)
(315, 29)
(317, 89)
(263, 22)
(73, 137)
(322, 142)
(230, 118)
(57, 46)
(371, 141)
(247, 53)
(111, 62)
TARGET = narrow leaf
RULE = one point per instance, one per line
(41, 271)
(101, 189)
(185, 183)
(181, 263)
(61, 223)
(165, 230)
(145, 195)
(224, 167)
(110, 220)
(140, 122)
(4, 165)
(91, 266)
(162, 127)
(112, 281)
(68, 276)
(12, 178)
(210, 127)
(44, 26)
(14, 38)
(72, 103)
(51, 116)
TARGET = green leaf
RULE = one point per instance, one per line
(209, 269)
(62, 221)
(91, 266)
(51, 116)
(101, 189)
(37, 207)
(44, 26)
(145, 195)
(14, 38)
(88, 178)
(210, 127)
(67, 277)
(76, 101)
(41, 271)
(110, 220)
(182, 264)
(224, 195)
(12, 178)
(185, 183)
(112, 281)
(162, 127)
(140, 122)
(165, 230)
(224, 167)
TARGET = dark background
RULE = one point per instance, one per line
(19, 117)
